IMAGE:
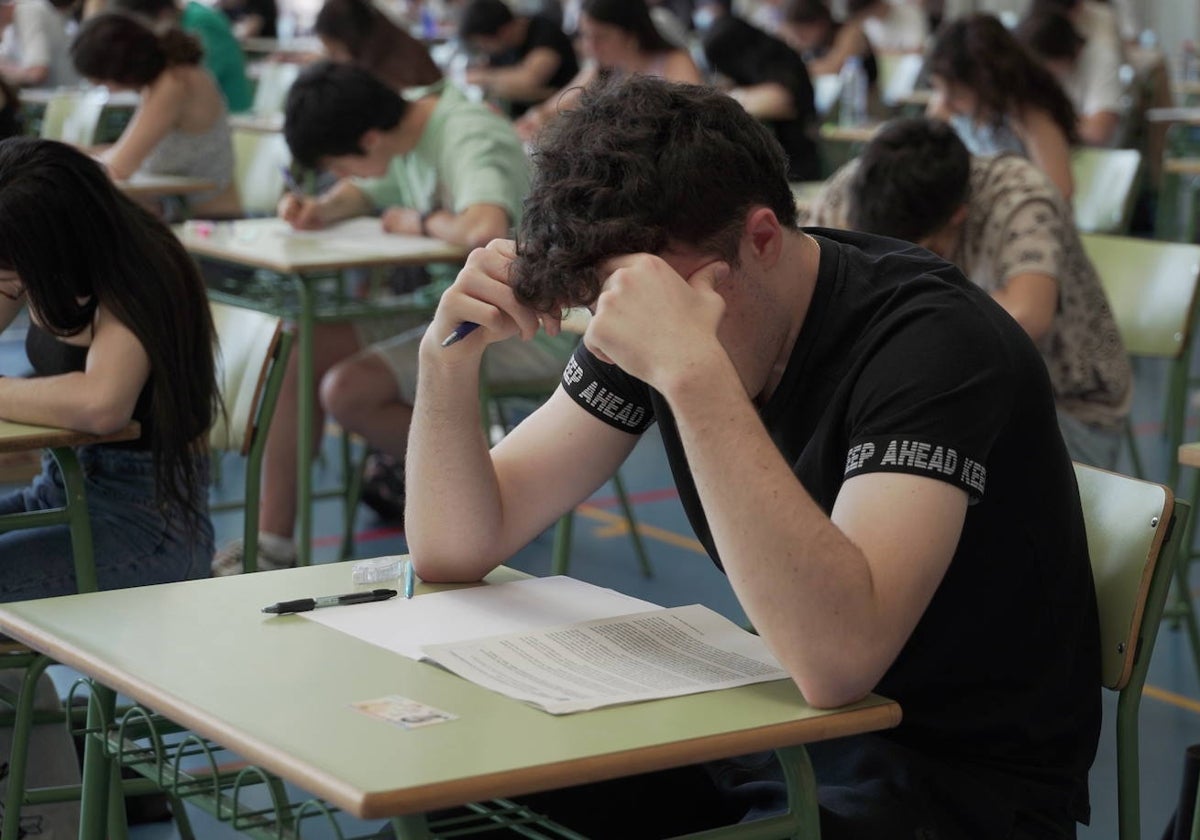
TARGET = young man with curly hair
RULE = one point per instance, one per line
(863, 440)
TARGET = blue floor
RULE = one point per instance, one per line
(683, 575)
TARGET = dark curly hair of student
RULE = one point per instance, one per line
(118, 47)
(376, 44)
(77, 242)
(1051, 36)
(979, 53)
(911, 179)
(640, 165)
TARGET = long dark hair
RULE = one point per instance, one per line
(979, 53)
(377, 45)
(77, 242)
(633, 16)
(118, 47)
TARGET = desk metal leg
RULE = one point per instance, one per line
(411, 827)
(77, 518)
(18, 760)
(96, 766)
(305, 436)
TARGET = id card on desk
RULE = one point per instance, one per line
(402, 711)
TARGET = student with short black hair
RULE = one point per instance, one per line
(181, 124)
(528, 56)
(439, 166)
(862, 439)
(1004, 224)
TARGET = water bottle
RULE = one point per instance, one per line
(854, 92)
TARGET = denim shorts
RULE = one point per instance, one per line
(135, 540)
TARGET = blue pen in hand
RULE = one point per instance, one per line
(290, 182)
(460, 332)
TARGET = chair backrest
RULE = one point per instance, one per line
(258, 160)
(274, 82)
(251, 354)
(1131, 532)
(1136, 538)
(1151, 288)
(898, 75)
(73, 116)
(826, 90)
(1105, 183)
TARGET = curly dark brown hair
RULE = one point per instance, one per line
(642, 164)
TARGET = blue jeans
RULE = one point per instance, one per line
(135, 542)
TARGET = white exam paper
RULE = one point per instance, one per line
(406, 625)
(625, 659)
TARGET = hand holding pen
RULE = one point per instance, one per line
(297, 209)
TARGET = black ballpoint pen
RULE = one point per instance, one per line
(306, 604)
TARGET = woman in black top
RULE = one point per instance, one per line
(772, 84)
(120, 330)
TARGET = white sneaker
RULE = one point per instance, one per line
(230, 559)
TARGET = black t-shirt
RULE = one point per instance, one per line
(542, 32)
(903, 365)
(748, 56)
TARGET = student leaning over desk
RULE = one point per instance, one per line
(180, 126)
(119, 330)
(853, 427)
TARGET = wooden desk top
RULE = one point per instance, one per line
(1182, 166)
(271, 244)
(19, 437)
(157, 186)
(277, 690)
(849, 134)
(1189, 455)
(264, 123)
(1190, 115)
(42, 96)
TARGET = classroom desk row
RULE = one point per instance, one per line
(278, 691)
(301, 266)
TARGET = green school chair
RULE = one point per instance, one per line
(1135, 534)
(259, 158)
(252, 358)
(1106, 182)
(1151, 288)
(74, 116)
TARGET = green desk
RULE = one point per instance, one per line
(264, 244)
(19, 437)
(277, 690)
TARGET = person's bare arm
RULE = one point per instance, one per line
(680, 68)
(1098, 129)
(836, 596)
(766, 101)
(551, 461)
(1032, 300)
(159, 112)
(1048, 148)
(850, 40)
(474, 227)
(344, 200)
(99, 399)
(524, 82)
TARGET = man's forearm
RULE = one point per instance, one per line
(344, 200)
(453, 512)
(807, 588)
